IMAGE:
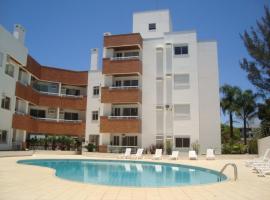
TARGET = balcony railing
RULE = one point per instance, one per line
(121, 95)
(124, 125)
(56, 120)
(47, 125)
(125, 58)
(123, 117)
(123, 87)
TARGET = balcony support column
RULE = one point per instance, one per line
(57, 113)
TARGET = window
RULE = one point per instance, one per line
(152, 26)
(182, 142)
(73, 92)
(95, 115)
(131, 53)
(181, 111)
(131, 83)
(71, 116)
(9, 70)
(95, 90)
(181, 50)
(181, 81)
(5, 103)
(116, 112)
(38, 113)
(130, 112)
(129, 141)
(3, 136)
(1, 59)
(118, 54)
(116, 140)
(118, 83)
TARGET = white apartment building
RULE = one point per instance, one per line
(156, 86)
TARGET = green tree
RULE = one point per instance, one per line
(228, 102)
(264, 116)
(246, 108)
(257, 43)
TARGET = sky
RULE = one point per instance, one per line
(60, 33)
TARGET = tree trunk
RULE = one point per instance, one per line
(245, 130)
(231, 125)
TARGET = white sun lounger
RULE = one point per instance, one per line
(127, 154)
(192, 155)
(261, 159)
(158, 154)
(138, 154)
(174, 155)
(210, 155)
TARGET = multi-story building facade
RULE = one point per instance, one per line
(156, 87)
(35, 99)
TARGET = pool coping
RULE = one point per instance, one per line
(227, 179)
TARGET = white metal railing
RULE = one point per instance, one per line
(20, 112)
(124, 87)
(123, 117)
(125, 58)
(47, 93)
(72, 96)
(56, 120)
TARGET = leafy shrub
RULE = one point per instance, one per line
(90, 147)
(253, 146)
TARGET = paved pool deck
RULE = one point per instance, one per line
(25, 182)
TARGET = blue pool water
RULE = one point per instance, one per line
(128, 173)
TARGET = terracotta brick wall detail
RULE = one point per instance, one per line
(56, 75)
(27, 93)
(132, 66)
(123, 40)
(132, 95)
(25, 122)
(119, 125)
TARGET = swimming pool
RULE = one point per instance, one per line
(128, 173)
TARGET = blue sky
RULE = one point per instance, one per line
(62, 32)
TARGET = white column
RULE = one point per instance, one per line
(57, 114)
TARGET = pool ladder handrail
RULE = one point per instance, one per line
(234, 168)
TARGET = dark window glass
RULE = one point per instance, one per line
(118, 83)
(116, 112)
(5, 103)
(130, 111)
(182, 142)
(129, 141)
(116, 140)
(152, 26)
(131, 83)
(96, 90)
(95, 115)
(3, 136)
(72, 92)
(181, 50)
(38, 113)
(71, 116)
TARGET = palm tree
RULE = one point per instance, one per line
(247, 108)
(228, 102)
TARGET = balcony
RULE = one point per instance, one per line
(27, 93)
(126, 41)
(48, 126)
(121, 95)
(122, 65)
(119, 124)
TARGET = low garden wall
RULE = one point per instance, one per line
(51, 152)
(15, 153)
(263, 144)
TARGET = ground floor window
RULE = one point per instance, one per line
(3, 136)
(129, 141)
(182, 142)
(116, 141)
